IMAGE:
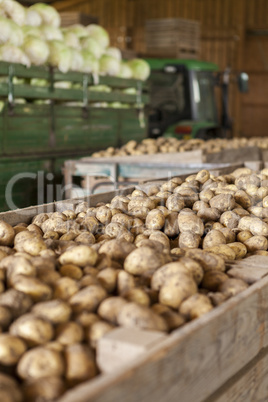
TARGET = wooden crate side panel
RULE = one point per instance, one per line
(195, 360)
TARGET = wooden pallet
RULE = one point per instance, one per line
(172, 37)
(71, 18)
(219, 357)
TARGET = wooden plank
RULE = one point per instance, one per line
(234, 155)
(195, 360)
(250, 384)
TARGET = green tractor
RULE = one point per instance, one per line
(183, 100)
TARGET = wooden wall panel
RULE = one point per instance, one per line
(224, 40)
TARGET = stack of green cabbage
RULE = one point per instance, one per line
(33, 36)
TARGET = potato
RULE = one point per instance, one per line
(255, 225)
(72, 271)
(156, 245)
(133, 315)
(32, 329)
(176, 289)
(55, 311)
(229, 235)
(108, 279)
(195, 306)
(175, 203)
(217, 298)
(7, 234)
(243, 199)
(139, 296)
(16, 265)
(223, 250)
(223, 202)
(71, 235)
(189, 196)
(171, 226)
(125, 282)
(18, 303)
(191, 223)
(33, 287)
(229, 219)
(232, 287)
(88, 298)
(86, 319)
(160, 237)
(256, 243)
(173, 320)
(11, 349)
(213, 279)
(213, 238)
(243, 236)
(110, 308)
(9, 389)
(199, 205)
(194, 268)
(69, 333)
(85, 238)
(209, 214)
(143, 261)
(5, 317)
(65, 288)
(43, 389)
(207, 260)
(97, 331)
(116, 249)
(40, 362)
(80, 364)
(141, 202)
(51, 234)
(81, 255)
(239, 248)
(155, 219)
(206, 195)
(123, 219)
(167, 271)
(189, 240)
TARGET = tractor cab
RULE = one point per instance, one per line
(183, 100)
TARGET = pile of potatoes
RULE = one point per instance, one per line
(167, 145)
(153, 260)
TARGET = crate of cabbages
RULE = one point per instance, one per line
(155, 292)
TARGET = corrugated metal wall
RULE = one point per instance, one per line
(225, 39)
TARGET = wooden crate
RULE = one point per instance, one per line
(219, 357)
(72, 17)
(172, 37)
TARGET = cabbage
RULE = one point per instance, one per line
(77, 60)
(79, 30)
(32, 31)
(2, 105)
(130, 91)
(63, 84)
(10, 32)
(39, 82)
(114, 52)
(109, 65)
(90, 63)
(49, 14)
(60, 55)
(92, 46)
(36, 49)
(99, 34)
(100, 88)
(125, 71)
(51, 33)
(14, 54)
(33, 18)
(140, 69)
(12, 9)
(71, 40)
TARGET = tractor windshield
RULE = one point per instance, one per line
(169, 99)
(203, 100)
